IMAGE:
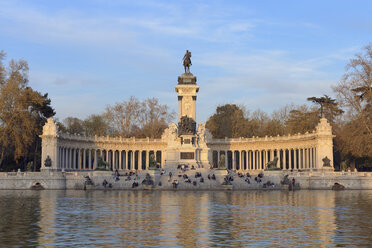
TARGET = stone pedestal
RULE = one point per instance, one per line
(187, 90)
(49, 145)
(324, 146)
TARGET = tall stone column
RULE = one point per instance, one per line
(120, 161)
(128, 158)
(233, 159)
(284, 159)
(147, 159)
(241, 165)
(140, 160)
(162, 158)
(290, 158)
(74, 158)
(84, 151)
(295, 158)
(133, 162)
(311, 158)
(266, 157)
(226, 159)
(79, 154)
(249, 160)
(259, 164)
(302, 158)
(95, 158)
(114, 161)
(254, 165)
(90, 159)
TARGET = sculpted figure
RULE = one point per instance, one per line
(221, 165)
(272, 164)
(186, 126)
(48, 162)
(187, 61)
(326, 162)
(153, 164)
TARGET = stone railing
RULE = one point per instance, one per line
(295, 137)
(108, 139)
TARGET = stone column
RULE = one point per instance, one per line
(74, 159)
(241, 166)
(218, 157)
(163, 158)
(266, 157)
(259, 158)
(120, 165)
(127, 160)
(226, 159)
(254, 160)
(133, 162)
(249, 165)
(295, 159)
(62, 157)
(66, 158)
(84, 159)
(311, 158)
(279, 158)
(114, 161)
(95, 158)
(140, 160)
(303, 158)
(290, 158)
(90, 159)
(147, 159)
(69, 162)
(233, 159)
(284, 159)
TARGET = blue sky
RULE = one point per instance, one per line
(263, 54)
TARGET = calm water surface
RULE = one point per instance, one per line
(185, 219)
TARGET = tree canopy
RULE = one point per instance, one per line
(23, 112)
(129, 118)
(354, 92)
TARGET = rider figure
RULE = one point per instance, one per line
(187, 61)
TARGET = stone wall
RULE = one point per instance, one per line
(321, 180)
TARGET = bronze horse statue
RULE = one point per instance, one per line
(187, 61)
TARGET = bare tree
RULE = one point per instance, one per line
(354, 92)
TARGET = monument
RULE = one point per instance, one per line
(189, 146)
(186, 142)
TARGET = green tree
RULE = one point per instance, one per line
(328, 107)
(228, 121)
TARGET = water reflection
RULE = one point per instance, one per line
(185, 219)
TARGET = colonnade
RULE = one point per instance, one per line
(87, 159)
(288, 158)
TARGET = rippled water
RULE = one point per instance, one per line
(185, 219)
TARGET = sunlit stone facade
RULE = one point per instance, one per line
(294, 152)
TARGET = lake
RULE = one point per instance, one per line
(185, 218)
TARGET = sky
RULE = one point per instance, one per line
(90, 54)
